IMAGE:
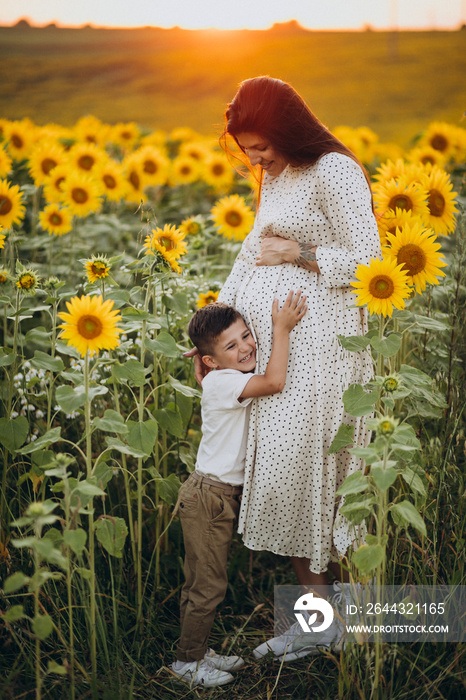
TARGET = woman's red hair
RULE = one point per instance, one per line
(274, 110)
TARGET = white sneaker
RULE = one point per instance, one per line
(200, 673)
(294, 643)
(224, 663)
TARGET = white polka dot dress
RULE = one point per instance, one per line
(288, 505)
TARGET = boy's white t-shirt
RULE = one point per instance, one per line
(225, 420)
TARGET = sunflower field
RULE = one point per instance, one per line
(111, 237)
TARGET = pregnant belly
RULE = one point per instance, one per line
(257, 293)
(328, 309)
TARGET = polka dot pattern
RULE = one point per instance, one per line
(289, 503)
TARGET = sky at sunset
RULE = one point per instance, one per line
(238, 14)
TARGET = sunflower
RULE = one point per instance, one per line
(156, 138)
(91, 130)
(350, 138)
(440, 202)
(97, 268)
(27, 280)
(185, 170)
(381, 285)
(198, 150)
(155, 165)
(171, 238)
(54, 183)
(387, 151)
(426, 155)
(233, 217)
(183, 133)
(168, 242)
(86, 156)
(11, 207)
(81, 193)
(5, 163)
(90, 324)
(218, 172)
(416, 250)
(56, 220)
(4, 275)
(54, 132)
(191, 226)
(391, 220)
(2, 240)
(20, 137)
(112, 180)
(209, 297)
(125, 134)
(391, 169)
(134, 177)
(442, 137)
(393, 194)
(43, 159)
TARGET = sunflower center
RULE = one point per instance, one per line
(17, 141)
(401, 201)
(99, 269)
(436, 203)
(185, 170)
(48, 164)
(3, 278)
(26, 281)
(86, 162)
(6, 206)
(150, 167)
(79, 195)
(135, 180)
(126, 135)
(413, 257)
(233, 218)
(56, 219)
(192, 228)
(381, 287)
(428, 159)
(89, 327)
(218, 169)
(58, 183)
(110, 182)
(439, 142)
(168, 243)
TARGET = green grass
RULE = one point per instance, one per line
(395, 84)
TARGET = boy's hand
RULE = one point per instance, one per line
(291, 312)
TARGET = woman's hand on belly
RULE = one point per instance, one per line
(276, 250)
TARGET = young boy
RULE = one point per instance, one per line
(209, 499)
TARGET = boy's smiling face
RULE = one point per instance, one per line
(234, 349)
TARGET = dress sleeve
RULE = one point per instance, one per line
(346, 203)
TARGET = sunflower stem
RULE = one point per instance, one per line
(53, 342)
(141, 404)
(92, 611)
(126, 477)
(68, 586)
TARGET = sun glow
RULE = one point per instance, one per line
(242, 14)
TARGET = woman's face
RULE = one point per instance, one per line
(261, 152)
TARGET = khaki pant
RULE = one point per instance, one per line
(208, 515)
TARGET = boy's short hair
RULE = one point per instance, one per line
(208, 323)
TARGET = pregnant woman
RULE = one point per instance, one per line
(313, 227)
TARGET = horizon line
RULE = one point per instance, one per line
(291, 24)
